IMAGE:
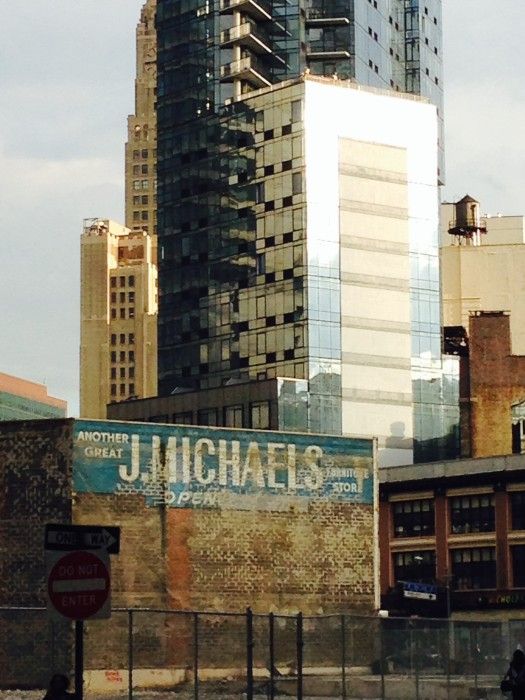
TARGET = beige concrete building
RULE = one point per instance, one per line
(484, 272)
(118, 354)
(141, 147)
(118, 351)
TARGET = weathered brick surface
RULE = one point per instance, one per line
(313, 556)
(317, 560)
(35, 488)
(138, 572)
(497, 382)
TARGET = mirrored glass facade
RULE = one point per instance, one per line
(243, 294)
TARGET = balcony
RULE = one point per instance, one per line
(249, 35)
(323, 18)
(327, 55)
(257, 9)
(249, 69)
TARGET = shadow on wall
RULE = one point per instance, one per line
(397, 439)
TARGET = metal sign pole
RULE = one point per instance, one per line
(79, 659)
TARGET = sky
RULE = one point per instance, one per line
(66, 88)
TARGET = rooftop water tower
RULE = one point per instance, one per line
(467, 225)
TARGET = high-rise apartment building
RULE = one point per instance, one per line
(118, 350)
(224, 268)
(303, 272)
(141, 147)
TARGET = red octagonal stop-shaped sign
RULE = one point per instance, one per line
(78, 585)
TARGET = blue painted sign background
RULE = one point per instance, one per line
(199, 467)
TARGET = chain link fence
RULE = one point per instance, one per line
(227, 655)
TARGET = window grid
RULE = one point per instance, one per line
(473, 568)
(414, 518)
(517, 504)
(518, 565)
(472, 514)
(415, 566)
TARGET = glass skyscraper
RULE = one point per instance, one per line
(241, 296)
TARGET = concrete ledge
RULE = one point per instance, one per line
(322, 682)
(111, 680)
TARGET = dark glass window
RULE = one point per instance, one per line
(113, 339)
(131, 280)
(207, 416)
(518, 565)
(113, 356)
(517, 503)
(414, 518)
(183, 418)
(415, 566)
(473, 568)
(472, 513)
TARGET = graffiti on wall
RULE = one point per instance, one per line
(200, 467)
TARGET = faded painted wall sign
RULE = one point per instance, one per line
(191, 467)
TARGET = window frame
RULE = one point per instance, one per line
(423, 523)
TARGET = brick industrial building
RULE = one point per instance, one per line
(211, 519)
(492, 385)
(460, 524)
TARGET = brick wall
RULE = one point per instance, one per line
(35, 488)
(138, 572)
(497, 381)
(283, 555)
(316, 560)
